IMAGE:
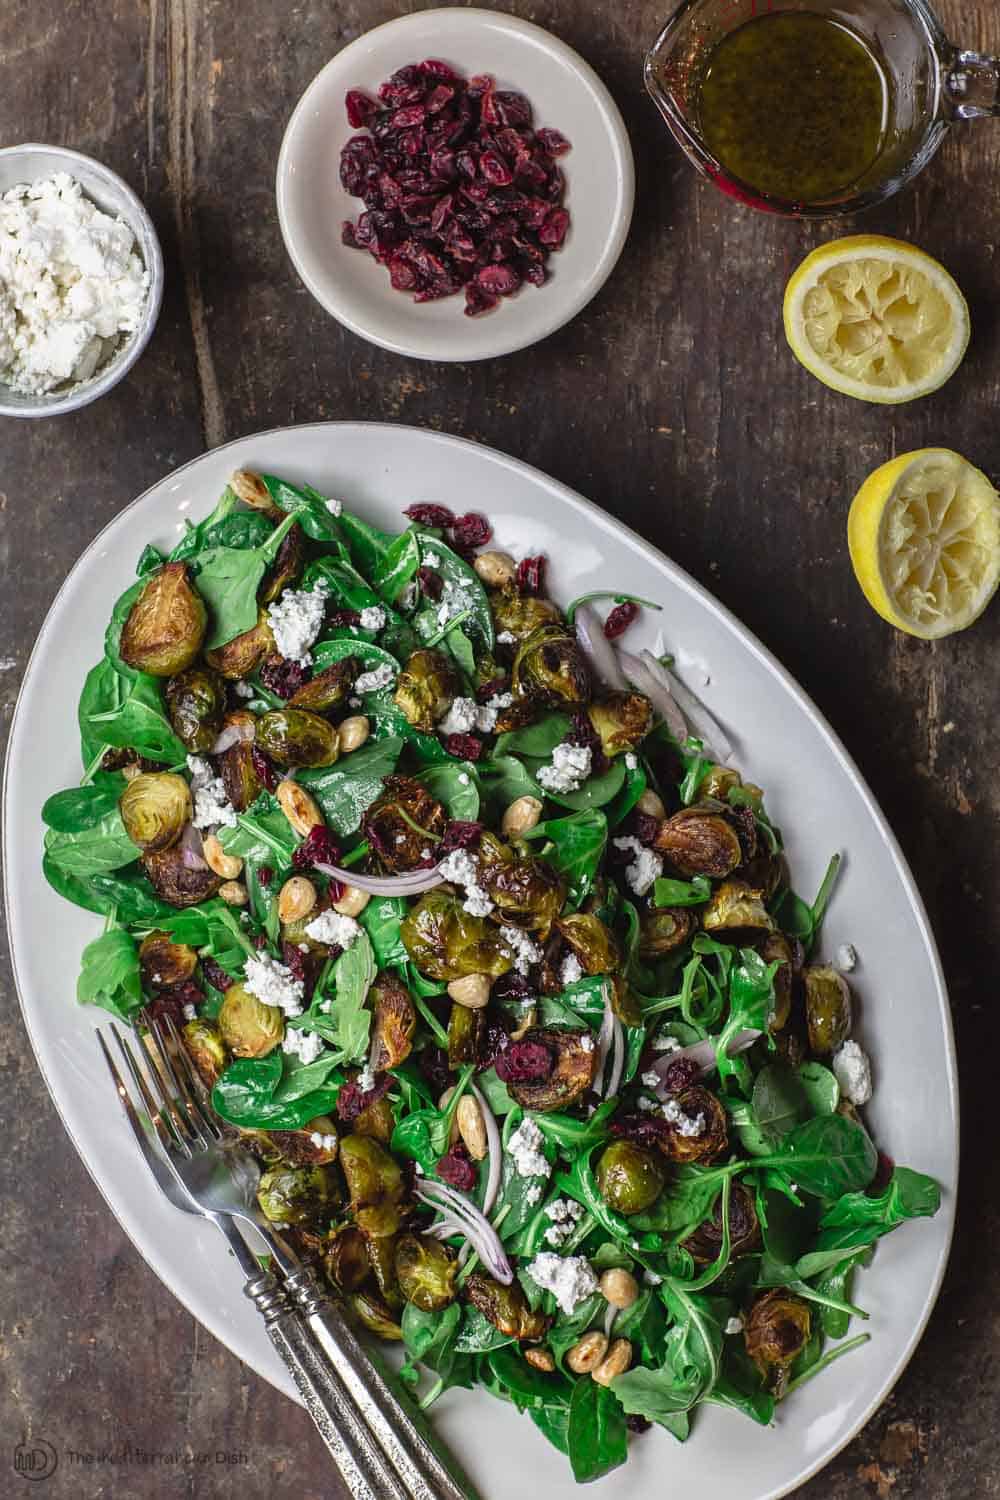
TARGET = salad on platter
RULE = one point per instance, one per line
(473, 932)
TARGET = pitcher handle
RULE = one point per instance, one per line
(973, 86)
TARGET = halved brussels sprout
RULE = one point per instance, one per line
(777, 1331)
(155, 807)
(315, 1145)
(622, 720)
(249, 1027)
(572, 1074)
(526, 892)
(630, 1177)
(718, 782)
(592, 942)
(506, 1307)
(374, 1182)
(736, 913)
(402, 824)
(426, 1271)
(425, 688)
(244, 653)
(664, 928)
(299, 1197)
(345, 1259)
(699, 842)
(372, 1313)
(705, 1243)
(329, 688)
(197, 702)
(377, 1120)
(206, 1049)
(446, 942)
(239, 774)
(166, 625)
(828, 1008)
(164, 962)
(293, 737)
(709, 1141)
(382, 1254)
(520, 615)
(776, 949)
(286, 568)
(174, 881)
(395, 1021)
(551, 667)
(764, 872)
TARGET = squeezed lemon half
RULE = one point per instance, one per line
(924, 536)
(876, 319)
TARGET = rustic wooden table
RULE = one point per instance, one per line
(673, 402)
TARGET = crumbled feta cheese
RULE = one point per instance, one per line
(462, 869)
(524, 1147)
(569, 769)
(460, 718)
(212, 808)
(666, 1043)
(521, 948)
(570, 1279)
(846, 957)
(687, 1125)
(296, 619)
(189, 1012)
(734, 1325)
(374, 681)
(305, 1045)
(335, 507)
(486, 713)
(322, 1142)
(570, 970)
(199, 766)
(534, 1194)
(647, 1104)
(631, 761)
(651, 1278)
(853, 1072)
(565, 1214)
(646, 867)
(587, 1042)
(463, 778)
(431, 560)
(366, 1078)
(244, 689)
(333, 928)
(273, 983)
(506, 638)
(652, 1079)
(454, 601)
(373, 618)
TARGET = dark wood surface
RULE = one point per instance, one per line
(673, 402)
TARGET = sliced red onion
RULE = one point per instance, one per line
(459, 1216)
(233, 734)
(494, 1148)
(597, 647)
(610, 1315)
(617, 1059)
(704, 723)
(383, 885)
(703, 1053)
(604, 1037)
(658, 693)
(190, 846)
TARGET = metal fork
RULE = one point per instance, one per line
(222, 1178)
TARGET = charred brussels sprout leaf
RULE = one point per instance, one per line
(446, 942)
(244, 653)
(526, 892)
(394, 1024)
(372, 1313)
(196, 700)
(572, 1073)
(550, 667)
(698, 1105)
(705, 1244)
(173, 880)
(286, 568)
(236, 767)
(630, 1177)
(663, 929)
(155, 807)
(426, 1272)
(345, 1259)
(402, 824)
(293, 737)
(299, 1197)
(164, 962)
(315, 1145)
(329, 689)
(736, 913)
(622, 720)
(777, 1331)
(520, 615)
(166, 625)
(374, 1183)
(697, 842)
(592, 942)
(828, 1008)
(206, 1049)
(506, 1307)
(425, 688)
(249, 1027)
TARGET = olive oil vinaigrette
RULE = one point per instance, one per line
(795, 104)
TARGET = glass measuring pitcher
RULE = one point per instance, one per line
(930, 83)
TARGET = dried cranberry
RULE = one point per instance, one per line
(318, 847)
(501, 281)
(645, 1130)
(883, 1175)
(681, 1075)
(432, 67)
(620, 619)
(553, 231)
(524, 1062)
(294, 959)
(638, 1424)
(360, 109)
(645, 827)
(472, 529)
(282, 677)
(464, 746)
(478, 300)
(530, 576)
(431, 583)
(353, 1099)
(456, 1168)
(168, 1004)
(216, 975)
(264, 875)
(492, 1041)
(552, 141)
(512, 986)
(264, 769)
(433, 1063)
(259, 940)
(460, 835)
(343, 619)
(492, 689)
(430, 515)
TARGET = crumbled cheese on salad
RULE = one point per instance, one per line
(454, 601)
(189, 1012)
(296, 619)
(322, 1142)
(244, 689)
(373, 618)
(273, 983)
(853, 1072)
(506, 638)
(651, 1278)
(565, 1214)
(631, 761)
(570, 970)
(305, 1045)
(522, 949)
(335, 507)
(846, 957)
(333, 928)
(646, 867)
(666, 1043)
(431, 560)
(487, 713)
(366, 1078)
(460, 718)
(462, 869)
(212, 808)
(374, 681)
(569, 769)
(734, 1325)
(534, 1194)
(570, 1278)
(652, 1079)
(687, 1125)
(587, 1042)
(525, 1146)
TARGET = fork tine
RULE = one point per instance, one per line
(149, 1152)
(172, 1092)
(159, 1113)
(192, 1088)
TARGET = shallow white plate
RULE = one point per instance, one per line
(564, 91)
(814, 792)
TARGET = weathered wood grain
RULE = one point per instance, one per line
(673, 402)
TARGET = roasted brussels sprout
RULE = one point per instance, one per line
(293, 737)
(197, 702)
(299, 1197)
(239, 775)
(315, 1145)
(777, 949)
(377, 1120)
(506, 1307)
(244, 653)
(624, 1002)
(466, 1028)
(286, 568)
(664, 928)
(374, 1182)
(572, 1073)
(630, 1177)
(828, 1008)
(425, 688)
(446, 942)
(622, 720)
(329, 688)
(736, 913)
(699, 842)
(777, 1330)
(592, 941)
(249, 1027)
(206, 1049)
(705, 1243)
(382, 1255)
(718, 782)
(426, 1271)
(345, 1259)
(372, 1313)
(164, 962)
(394, 1024)
(154, 807)
(402, 824)
(175, 882)
(696, 1107)
(166, 625)
(764, 872)
(526, 892)
(550, 667)
(520, 615)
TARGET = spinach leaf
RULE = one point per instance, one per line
(821, 1087)
(308, 506)
(102, 846)
(346, 790)
(325, 653)
(836, 1284)
(577, 1135)
(150, 558)
(246, 1093)
(682, 892)
(597, 791)
(109, 975)
(577, 848)
(82, 807)
(536, 741)
(686, 1200)
(857, 1220)
(243, 529)
(463, 587)
(113, 634)
(502, 780)
(431, 1338)
(423, 1135)
(461, 649)
(104, 692)
(261, 833)
(366, 544)
(129, 896)
(388, 721)
(455, 786)
(828, 1157)
(477, 1334)
(741, 1386)
(596, 1436)
(353, 976)
(194, 537)
(228, 579)
(136, 721)
(526, 1386)
(779, 1101)
(397, 567)
(553, 1423)
(381, 920)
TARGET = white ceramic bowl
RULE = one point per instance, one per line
(814, 791)
(27, 163)
(564, 91)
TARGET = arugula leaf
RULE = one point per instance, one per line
(577, 845)
(109, 976)
(82, 807)
(346, 790)
(228, 579)
(796, 917)
(857, 1220)
(741, 1385)
(596, 1436)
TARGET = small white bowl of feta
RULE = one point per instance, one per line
(81, 280)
